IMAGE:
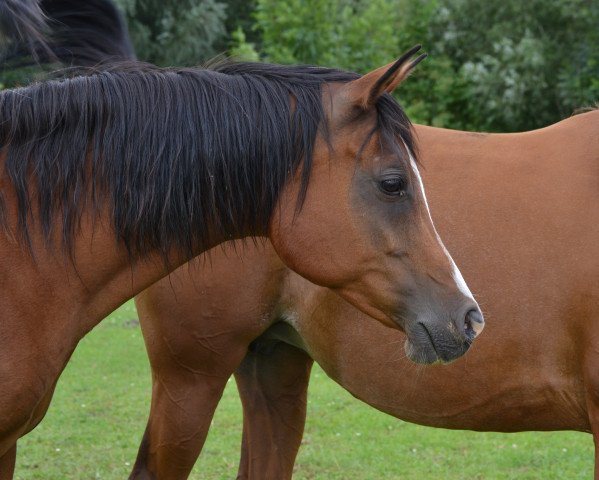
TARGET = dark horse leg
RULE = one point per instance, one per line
(7, 463)
(591, 378)
(190, 369)
(273, 385)
(183, 405)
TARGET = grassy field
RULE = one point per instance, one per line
(99, 411)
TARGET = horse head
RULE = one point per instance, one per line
(364, 228)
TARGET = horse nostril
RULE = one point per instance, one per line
(473, 323)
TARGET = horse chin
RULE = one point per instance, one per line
(418, 354)
(422, 346)
(421, 354)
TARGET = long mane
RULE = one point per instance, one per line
(175, 155)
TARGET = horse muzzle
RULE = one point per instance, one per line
(432, 341)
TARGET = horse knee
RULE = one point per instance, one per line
(23, 404)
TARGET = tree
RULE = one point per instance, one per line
(175, 32)
(514, 65)
(497, 66)
(351, 34)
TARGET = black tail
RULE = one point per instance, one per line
(73, 32)
(23, 28)
(89, 32)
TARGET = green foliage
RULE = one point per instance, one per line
(351, 34)
(175, 32)
(19, 77)
(435, 92)
(240, 15)
(241, 49)
(509, 65)
(497, 66)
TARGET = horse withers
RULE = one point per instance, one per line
(534, 263)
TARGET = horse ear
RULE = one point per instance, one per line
(365, 91)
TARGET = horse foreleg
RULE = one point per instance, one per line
(591, 382)
(7, 463)
(593, 412)
(25, 395)
(183, 405)
(273, 387)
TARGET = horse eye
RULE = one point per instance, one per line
(393, 186)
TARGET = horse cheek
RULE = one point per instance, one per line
(315, 241)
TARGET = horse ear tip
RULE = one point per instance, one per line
(414, 49)
(419, 59)
(407, 55)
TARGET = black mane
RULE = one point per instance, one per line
(171, 153)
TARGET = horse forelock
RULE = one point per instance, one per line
(175, 155)
(395, 127)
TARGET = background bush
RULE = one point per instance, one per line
(175, 32)
(500, 65)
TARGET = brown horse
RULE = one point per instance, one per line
(534, 263)
(110, 180)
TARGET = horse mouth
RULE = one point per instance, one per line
(428, 347)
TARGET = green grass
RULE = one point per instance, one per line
(101, 403)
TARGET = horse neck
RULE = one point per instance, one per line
(166, 181)
(73, 291)
(109, 276)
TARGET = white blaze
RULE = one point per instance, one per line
(456, 274)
